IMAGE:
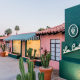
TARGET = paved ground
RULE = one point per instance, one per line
(9, 68)
(55, 75)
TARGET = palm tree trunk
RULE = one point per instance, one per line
(16, 32)
(8, 35)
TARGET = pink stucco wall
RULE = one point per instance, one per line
(10, 44)
(45, 43)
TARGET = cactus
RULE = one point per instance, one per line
(30, 70)
(41, 76)
(34, 53)
(28, 76)
(3, 47)
(18, 77)
(21, 67)
(29, 51)
(45, 60)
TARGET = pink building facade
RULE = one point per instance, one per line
(8, 44)
(51, 39)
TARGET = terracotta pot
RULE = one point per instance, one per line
(3, 54)
(47, 72)
(34, 60)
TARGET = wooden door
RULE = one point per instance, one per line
(23, 48)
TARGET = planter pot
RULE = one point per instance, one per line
(3, 54)
(6, 53)
(47, 72)
(14, 55)
(34, 60)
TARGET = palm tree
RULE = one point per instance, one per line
(47, 27)
(40, 29)
(17, 28)
(8, 31)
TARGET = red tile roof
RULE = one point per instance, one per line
(59, 28)
(2, 38)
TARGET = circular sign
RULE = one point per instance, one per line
(73, 30)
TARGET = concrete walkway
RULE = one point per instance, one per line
(9, 68)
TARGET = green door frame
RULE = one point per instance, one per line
(25, 47)
(21, 49)
(12, 46)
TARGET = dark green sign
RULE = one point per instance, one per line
(69, 66)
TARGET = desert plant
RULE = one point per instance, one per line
(18, 77)
(17, 28)
(31, 73)
(26, 76)
(34, 53)
(30, 70)
(29, 51)
(3, 47)
(41, 76)
(21, 67)
(45, 60)
(45, 52)
(40, 29)
(47, 27)
(8, 31)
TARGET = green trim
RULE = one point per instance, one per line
(21, 49)
(25, 47)
(12, 46)
(14, 56)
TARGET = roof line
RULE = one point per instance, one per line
(22, 33)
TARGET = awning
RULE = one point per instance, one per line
(23, 37)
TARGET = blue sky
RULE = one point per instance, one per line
(30, 15)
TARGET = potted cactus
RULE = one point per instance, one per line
(31, 73)
(45, 66)
(3, 49)
(29, 51)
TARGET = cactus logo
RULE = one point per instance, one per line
(73, 30)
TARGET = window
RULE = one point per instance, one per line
(7, 46)
(17, 46)
(55, 49)
(35, 44)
